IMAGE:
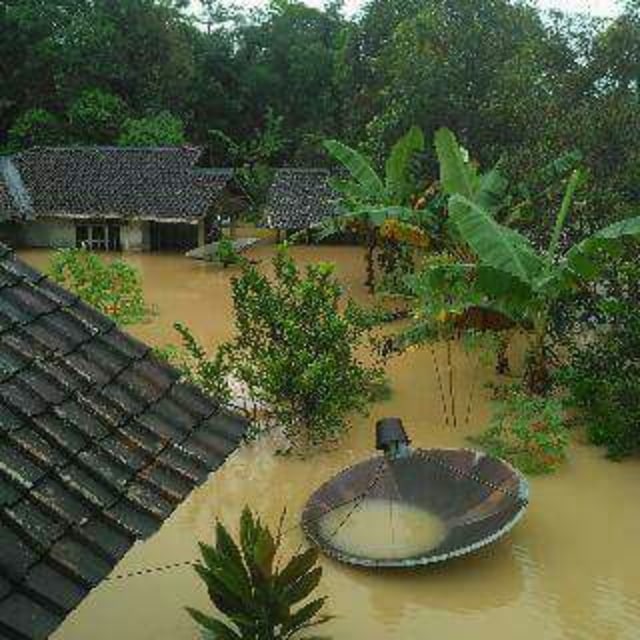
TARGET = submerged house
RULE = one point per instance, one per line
(99, 443)
(300, 198)
(108, 197)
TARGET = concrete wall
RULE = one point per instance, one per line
(135, 236)
(56, 233)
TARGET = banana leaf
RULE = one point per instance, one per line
(495, 245)
(456, 174)
(399, 185)
(371, 187)
(585, 258)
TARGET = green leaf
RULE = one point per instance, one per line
(399, 185)
(492, 191)
(371, 187)
(456, 175)
(495, 245)
(297, 567)
(219, 630)
(583, 258)
(226, 546)
(303, 618)
(265, 552)
(303, 587)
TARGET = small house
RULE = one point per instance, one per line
(108, 198)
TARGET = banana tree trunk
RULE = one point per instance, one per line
(372, 241)
(537, 373)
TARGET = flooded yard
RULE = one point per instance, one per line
(569, 570)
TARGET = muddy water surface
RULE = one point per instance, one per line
(569, 570)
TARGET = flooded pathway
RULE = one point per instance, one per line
(570, 570)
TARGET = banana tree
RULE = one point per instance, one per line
(508, 273)
(369, 200)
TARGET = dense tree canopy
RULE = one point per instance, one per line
(515, 83)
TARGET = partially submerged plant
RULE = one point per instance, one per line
(602, 374)
(507, 274)
(529, 431)
(248, 586)
(296, 353)
(114, 288)
(370, 202)
(225, 253)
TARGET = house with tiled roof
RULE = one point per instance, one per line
(300, 198)
(100, 441)
(108, 197)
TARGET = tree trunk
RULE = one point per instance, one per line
(369, 257)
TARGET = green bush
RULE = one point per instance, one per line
(225, 253)
(35, 127)
(162, 130)
(255, 594)
(603, 376)
(96, 117)
(529, 431)
(295, 351)
(114, 288)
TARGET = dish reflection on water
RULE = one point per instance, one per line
(382, 529)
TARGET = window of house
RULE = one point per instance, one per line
(98, 236)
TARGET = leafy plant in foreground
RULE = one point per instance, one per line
(255, 594)
(114, 288)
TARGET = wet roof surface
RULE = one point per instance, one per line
(99, 443)
(300, 198)
(114, 182)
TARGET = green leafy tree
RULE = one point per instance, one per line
(602, 374)
(36, 127)
(509, 274)
(296, 351)
(96, 117)
(114, 288)
(256, 595)
(162, 130)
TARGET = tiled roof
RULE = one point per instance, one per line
(300, 198)
(99, 442)
(141, 183)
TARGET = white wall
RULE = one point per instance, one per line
(134, 236)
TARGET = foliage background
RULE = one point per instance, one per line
(513, 82)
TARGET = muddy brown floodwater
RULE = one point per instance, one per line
(569, 570)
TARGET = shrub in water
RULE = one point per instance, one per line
(603, 376)
(115, 288)
(527, 430)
